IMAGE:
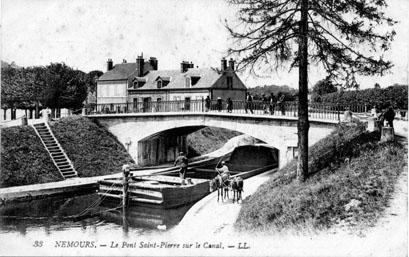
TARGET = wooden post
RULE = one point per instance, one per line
(125, 185)
(387, 134)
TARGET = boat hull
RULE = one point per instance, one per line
(162, 191)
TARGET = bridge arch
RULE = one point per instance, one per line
(279, 133)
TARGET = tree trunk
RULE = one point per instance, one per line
(303, 123)
(37, 110)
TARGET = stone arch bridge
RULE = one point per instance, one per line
(153, 138)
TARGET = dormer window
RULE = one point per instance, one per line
(162, 81)
(187, 84)
(194, 80)
(137, 83)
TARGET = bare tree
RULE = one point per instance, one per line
(342, 36)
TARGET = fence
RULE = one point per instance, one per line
(287, 109)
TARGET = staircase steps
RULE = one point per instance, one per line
(56, 152)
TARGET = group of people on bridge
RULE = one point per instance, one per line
(270, 104)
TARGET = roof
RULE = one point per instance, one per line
(177, 79)
(204, 78)
(123, 71)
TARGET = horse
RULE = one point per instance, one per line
(221, 184)
(237, 187)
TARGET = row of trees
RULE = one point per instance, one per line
(55, 86)
(257, 92)
(397, 96)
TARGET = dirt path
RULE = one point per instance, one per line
(212, 220)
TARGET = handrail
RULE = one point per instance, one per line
(327, 111)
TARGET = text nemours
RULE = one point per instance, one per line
(145, 244)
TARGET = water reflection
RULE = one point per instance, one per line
(85, 212)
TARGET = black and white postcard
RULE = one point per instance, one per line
(204, 128)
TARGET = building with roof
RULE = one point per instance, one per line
(142, 82)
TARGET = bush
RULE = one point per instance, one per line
(93, 150)
(396, 95)
(24, 160)
(319, 202)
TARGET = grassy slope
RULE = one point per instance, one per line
(283, 203)
(24, 159)
(208, 139)
(93, 150)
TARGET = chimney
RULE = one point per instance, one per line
(184, 66)
(110, 64)
(139, 65)
(231, 63)
(123, 60)
(154, 63)
(224, 64)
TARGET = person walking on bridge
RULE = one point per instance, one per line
(229, 105)
(249, 103)
(272, 101)
(182, 161)
(207, 103)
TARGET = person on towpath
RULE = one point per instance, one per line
(224, 171)
(390, 116)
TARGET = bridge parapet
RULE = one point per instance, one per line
(325, 111)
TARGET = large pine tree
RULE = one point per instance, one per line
(345, 37)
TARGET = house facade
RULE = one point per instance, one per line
(141, 84)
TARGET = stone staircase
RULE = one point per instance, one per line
(57, 154)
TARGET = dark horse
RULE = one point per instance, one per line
(237, 187)
(221, 184)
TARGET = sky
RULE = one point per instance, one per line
(85, 33)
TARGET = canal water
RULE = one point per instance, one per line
(86, 217)
(87, 213)
(81, 214)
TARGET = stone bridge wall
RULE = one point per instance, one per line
(137, 128)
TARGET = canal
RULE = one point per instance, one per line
(79, 214)
(88, 216)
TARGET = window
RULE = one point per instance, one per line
(135, 104)
(159, 83)
(229, 82)
(187, 82)
(135, 84)
(194, 80)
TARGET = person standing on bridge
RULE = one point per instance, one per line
(229, 105)
(219, 104)
(280, 102)
(265, 103)
(249, 103)
(182, 161)
(272, 101)
(207, 103)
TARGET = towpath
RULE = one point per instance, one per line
(212, 220)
